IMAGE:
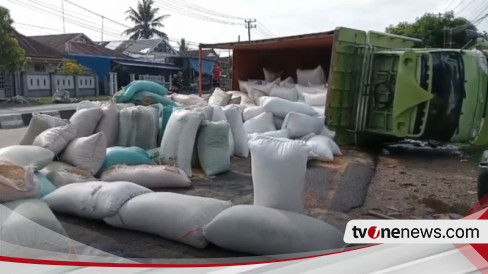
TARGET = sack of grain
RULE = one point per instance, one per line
(282, 133)
(150, 176)
(86, 152)
(27, 156)
(17, 182)
(311, 76)
(138, 126)
(93, 200)
(179, 139)
(259, 124)
(267, 231)
(46, 186)
(213, 147)
(234, 116)
(270, 75)
(38, 124)
(179, 217)
(147, 98)
(299, 125)
(251, 112)
(219, 115)
(56, 139)
(138, 86)
(189, 100)
(61, 174)
(86, 120)
(290, 94)
(281, 107)
(219, 98)
(278, 172)
(109, 123)
(131, 156)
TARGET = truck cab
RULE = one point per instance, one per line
(403, 92)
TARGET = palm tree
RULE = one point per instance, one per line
(146, 22)
(183, 45)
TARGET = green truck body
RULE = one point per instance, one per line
(380, 87)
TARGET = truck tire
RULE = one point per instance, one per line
(483, 178)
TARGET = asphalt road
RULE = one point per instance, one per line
(10, 137)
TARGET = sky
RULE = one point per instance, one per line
(213, 21)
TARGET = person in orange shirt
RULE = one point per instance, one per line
(216, 75)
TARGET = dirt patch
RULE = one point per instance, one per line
(411, 185)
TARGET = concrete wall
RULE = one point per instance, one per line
(42, 85)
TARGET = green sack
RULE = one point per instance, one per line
(130, 156)
(166, 114)
(137, 86)
(147, 98)
(46, 185)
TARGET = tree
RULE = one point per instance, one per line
(435, 30)
(146, 21)
(12, 56)
(183, 45)
(70, 67)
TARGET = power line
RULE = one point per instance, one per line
(34, 26)
(446, 7)
(267, 30)
(182, 11)
(467, 6)
(193, 6)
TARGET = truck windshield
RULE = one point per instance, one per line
(449, 93)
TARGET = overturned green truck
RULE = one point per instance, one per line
(380, 86)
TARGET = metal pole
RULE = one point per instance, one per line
(102, 28)
(200, 71)
(62, 9)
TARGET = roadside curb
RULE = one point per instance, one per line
(12, 121)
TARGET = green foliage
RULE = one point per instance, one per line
(70, 67)
(183, 46)
(12, 56)
(431, 29)
(146, 22)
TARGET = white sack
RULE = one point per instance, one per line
(299, 125)
(86, 121)
(85, 104)
(219, 98)
(266, 231)
(138, 126)
(270, 75)
(256, 94)
(153, 177)
(38, 124)
(179, 139)
(189, 100)
(327, 132)
(243, 84)
(323, 141)
(261, 123)
(320, 110)
(121, 106)
(179, 217)
(281, 107)
(315, 100)
(32, 156)
(251, 112)
(93, 200)
(213, 147)
(287, 93)
(311, 76)
(109, 123)
(282, 133)
(17, 182)
(278, 121)
(234, 116)
(320, 148)
(61, 174)
(86, 152)
(207, 111)
(219, 115)
(278, 172)
(288, 82)
(56, 139)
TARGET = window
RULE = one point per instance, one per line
(44, 81)
(39, 68)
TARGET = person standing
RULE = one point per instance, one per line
(216, 75)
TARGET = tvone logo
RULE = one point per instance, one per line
(373, 232)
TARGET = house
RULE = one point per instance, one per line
(41, 61)
(113, 67)
(154, 50)
(189, 61)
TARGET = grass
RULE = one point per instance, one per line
(48, 100)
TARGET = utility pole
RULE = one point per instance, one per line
(239, 38)
(249, 26)
(62, 10)
(102, 28)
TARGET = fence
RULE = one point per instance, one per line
(42, 85)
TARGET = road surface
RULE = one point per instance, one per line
(10, 137)
(39, 108)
